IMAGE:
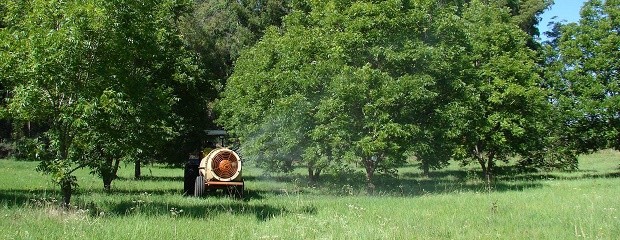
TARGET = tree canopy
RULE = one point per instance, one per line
(99, 75)
(364, 82)
(583, 71)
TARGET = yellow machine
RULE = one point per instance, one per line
(220, 169)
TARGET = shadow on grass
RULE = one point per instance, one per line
(515, 173)
(276, 178)
(408, 184)
(150, 191)
(412, 185)
(209, 206)
(17, 198)
(551, 176)
(152, 178)
(607, 175)
(261, 212)
(154, 206)
(248, 195)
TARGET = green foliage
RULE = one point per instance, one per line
(501, 110)
(219, 30)
(583, 72)
(346, 83)
(525, 14)
(99, 74)
(368, 82)
(215, 32)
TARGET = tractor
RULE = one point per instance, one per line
(220, 168)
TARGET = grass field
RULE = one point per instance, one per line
(450, 204)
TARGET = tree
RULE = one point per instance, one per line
(347, 82)
(500, 111)
(40, 87)
(167, 82)
(526, 14)
(99, 74)
(215, 32)
(584, 73)
(219, 30)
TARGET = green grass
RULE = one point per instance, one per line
(450, 204)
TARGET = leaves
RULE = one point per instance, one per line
(360, 72)
(98, 74)
(583, 66)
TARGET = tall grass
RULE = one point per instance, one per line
(450, 204)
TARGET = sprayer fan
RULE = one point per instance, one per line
(225, 165)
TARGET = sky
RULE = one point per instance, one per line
(564, 10)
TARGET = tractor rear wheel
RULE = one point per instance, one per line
(199, 186)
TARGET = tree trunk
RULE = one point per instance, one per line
(483, 165)
(107, 182)
(137, 170)
(313, 174)
(489, 171)
(67, 191)
(66, 183)
(426, 169)
(108, 175)
(487, 166)
(370, 172)
(288, 164)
